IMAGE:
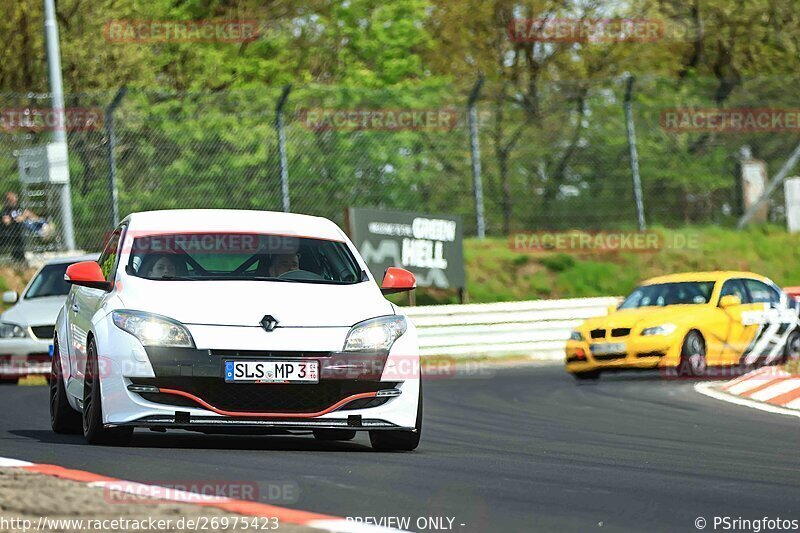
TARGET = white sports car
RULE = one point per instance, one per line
(26, 328)
(234, 321)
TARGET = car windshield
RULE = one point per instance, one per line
(49, 282)
(663, 294)
(242, 256)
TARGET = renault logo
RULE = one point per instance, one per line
(269, 322)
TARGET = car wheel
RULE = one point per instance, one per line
(334, 434)
(93, 430)
(63, 418)
(791, 352)
(587, 375)
(693, 355)
(404, 441)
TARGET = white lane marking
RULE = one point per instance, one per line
(749, 375)
(9, 462)
(752, 383)
(794, 404)
(349, 526)
(775, 390)
(708, 389)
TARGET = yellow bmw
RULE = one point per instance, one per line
(689, 322)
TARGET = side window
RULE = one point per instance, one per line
(735, 287)
(761, 292)
(109, 256)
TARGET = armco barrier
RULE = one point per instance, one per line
(538, 328)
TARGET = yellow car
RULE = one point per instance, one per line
(687, 323)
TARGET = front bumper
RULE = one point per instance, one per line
(657, 351)
(187, 390)
(24, 357)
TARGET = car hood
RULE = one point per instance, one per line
(35, 312)
(245, 303)
(645, 317)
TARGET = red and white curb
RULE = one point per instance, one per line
(769, 389)
(241, 507)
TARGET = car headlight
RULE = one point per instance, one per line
(663, 329)
(12, 331)
(375, 334)
(153, 330)
(575, 336)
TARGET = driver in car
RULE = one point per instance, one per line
(160, 265)
(283, 263)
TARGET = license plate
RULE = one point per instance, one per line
(608, 348)
(272, 371)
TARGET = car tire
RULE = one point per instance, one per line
(589, 375)
(334, 434)
(693, 355)
(791, 352)
(63, 418)
(399, 441)
(93, 430)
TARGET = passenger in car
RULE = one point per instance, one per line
(283, 263)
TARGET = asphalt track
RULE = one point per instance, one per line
(523, 449)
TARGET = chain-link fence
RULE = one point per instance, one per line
(552, 157)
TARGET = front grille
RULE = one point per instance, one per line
(651, 354)
(258, 397)
(620, 332)
(598, 333)
(43, 332)
(609, 356)
(265, 354)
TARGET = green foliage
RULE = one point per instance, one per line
(558, 262)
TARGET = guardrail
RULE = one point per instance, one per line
(538, 328)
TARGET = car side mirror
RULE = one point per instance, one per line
(10, 297)
(397, 280)
(87, 274)
(729, 300)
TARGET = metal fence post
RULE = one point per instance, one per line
(59, 133)
(637, 182)
(774, 182)
(282, 147)
(112, 160)
(476, 157)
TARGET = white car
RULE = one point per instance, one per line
(26, 328)
(234, 321)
